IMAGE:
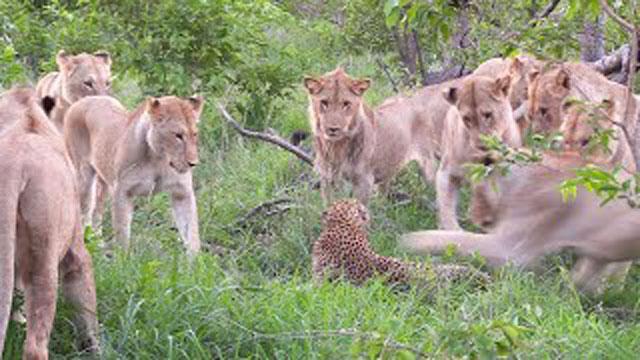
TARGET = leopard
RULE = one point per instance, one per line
(343, 251)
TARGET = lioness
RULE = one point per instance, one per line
(534, 220)
(148, 151)
(40, 228)
(370, 146)
(77, 76)
(518, 67)
(551, 85)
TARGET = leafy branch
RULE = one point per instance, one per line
(605, 184)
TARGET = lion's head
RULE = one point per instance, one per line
(580, 123)
(335, 100)
(84, 74)
(547, 90)
(484, 107)
(174, 131)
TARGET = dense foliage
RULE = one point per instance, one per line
(250, 294)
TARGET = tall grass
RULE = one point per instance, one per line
(250, 294)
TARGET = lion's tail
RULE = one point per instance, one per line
(437, 242)
(8, 221)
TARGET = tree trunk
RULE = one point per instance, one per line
(592, 40)
(453, 67)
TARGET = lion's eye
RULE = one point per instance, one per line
(179, 136)
(324, 104)
(108, 84)
(89, 84)
(543, 111)
(466, 119)
(346, 104)
(487, 115)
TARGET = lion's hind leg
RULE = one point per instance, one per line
(41, 285)
(79, 289)
(438, 241)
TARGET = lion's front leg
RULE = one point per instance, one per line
(481, 210)
(327, 190)
(122, 215)
(447, 187)
(185, 213)
(362, 187)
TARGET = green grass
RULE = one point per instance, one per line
(250, 295)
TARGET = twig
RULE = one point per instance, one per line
(615, 17)
(549, 9)
(270, 138)
(270, 206)
(320, 334)
(385, 68)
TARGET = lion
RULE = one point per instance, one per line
(40, 229)
(518, 67)
(533, 220)
(550, 86)
(442, 122)
(77, 76)
(151, 150)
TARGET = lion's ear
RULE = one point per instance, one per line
(104, 56)
(63, 61)
(313, 85)
(563, 79)
(609, 105)
(153, 106)
(47, 103)
(197, 103)
(359, 86)
(502, 85)
(517, 66)
(533, 74)
(451, 95)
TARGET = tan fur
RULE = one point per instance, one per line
(556, 82)
(140, 154)
(518, 67)
(77, 76)
(40, 228)
(367, 147)
(580, 121)
(533, 220)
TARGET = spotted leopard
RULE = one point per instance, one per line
(343, 251)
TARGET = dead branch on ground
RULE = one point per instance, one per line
(270, 138)
(268, 208)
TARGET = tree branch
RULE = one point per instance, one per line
(548, 9)
(633, 62)
(615, 17)
(613, 62)
(385, 68)
(270, 138)
(271, 207)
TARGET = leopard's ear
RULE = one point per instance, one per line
(324, 215)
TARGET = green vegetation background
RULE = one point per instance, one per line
(250, 294)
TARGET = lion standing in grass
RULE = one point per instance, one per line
(439, 123)
(77, 76)
(148, 151)
(40, 227)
